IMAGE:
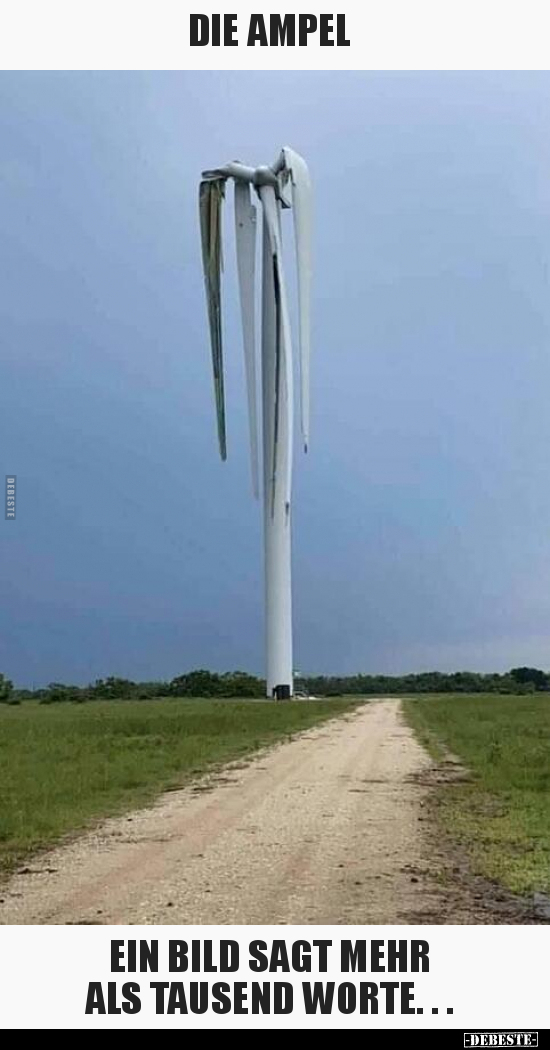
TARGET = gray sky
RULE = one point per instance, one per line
(421, 514)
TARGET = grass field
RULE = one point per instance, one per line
(62, 766)
(502, 813)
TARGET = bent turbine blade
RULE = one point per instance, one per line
(283, 344)
(245, 230)
(211, 194)
(302, 208)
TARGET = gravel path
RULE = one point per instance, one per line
(328, 828)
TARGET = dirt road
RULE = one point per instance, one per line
(329, 828)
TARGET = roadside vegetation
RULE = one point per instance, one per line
(62, 766)
(501, 812)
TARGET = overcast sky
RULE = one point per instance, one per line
(422, 512)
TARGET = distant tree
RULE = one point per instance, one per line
(150, 690)
(112, 688)
(530, 675)
(239, 683)
(209, 684)
(57, 693)
(6, 689)
(196, 683)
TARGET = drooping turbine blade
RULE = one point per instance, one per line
(245, 229)
(283, 348)
(301, 206)
(211, 194)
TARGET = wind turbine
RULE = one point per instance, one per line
(286, 184)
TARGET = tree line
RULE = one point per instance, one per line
(199, 683)
(203, 683)
(518, 680)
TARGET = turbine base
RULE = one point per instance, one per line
(281, 692)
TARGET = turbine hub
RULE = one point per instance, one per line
(265, 176)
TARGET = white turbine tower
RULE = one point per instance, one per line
(285, 185)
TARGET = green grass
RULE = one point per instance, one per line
(63, 766)
(502, 813)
